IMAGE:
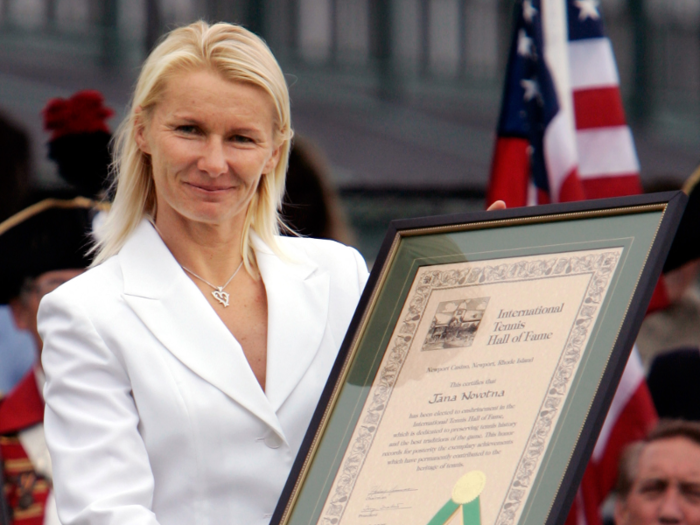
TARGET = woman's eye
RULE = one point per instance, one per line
(187, 129)
(242, 139)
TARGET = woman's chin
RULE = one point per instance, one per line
(213, 214)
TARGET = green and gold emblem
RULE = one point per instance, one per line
(465, 495)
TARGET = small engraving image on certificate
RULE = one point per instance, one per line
(455, 324)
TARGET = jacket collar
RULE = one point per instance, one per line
(297, 310)
(176, 312)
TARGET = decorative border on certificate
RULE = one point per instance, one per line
(456, 328)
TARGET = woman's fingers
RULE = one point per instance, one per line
(498, 205)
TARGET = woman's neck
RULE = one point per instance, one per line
(212, 251)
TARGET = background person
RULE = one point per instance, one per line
(15, 167)
(79, 141)
(672, 336)
(182, 371)
(17, 353)
(677, 325)
(659, 478)
(311, 206)
(79, 146)
(39, 250)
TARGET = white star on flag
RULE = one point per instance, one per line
(528, 11)
(588, 9)
(531, 88)
(525, 44)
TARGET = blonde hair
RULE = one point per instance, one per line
(238, 56)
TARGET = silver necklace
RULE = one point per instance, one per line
(218, 292)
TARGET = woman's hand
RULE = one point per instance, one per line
(498, 205)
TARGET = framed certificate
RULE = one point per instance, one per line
(480, 365)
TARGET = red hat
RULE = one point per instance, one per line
(84, 112)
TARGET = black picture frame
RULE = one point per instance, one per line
(666, 208)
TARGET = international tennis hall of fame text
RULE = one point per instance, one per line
(469, 389)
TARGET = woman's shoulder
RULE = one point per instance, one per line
(324, 252)
(95, 285)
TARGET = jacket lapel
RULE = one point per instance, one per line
(297, 303)
(179, 316)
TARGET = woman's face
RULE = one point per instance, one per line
(210, 141)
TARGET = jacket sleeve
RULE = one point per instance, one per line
(362, 272)
(102, 474)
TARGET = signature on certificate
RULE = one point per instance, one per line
(372, 512)
(383, 493)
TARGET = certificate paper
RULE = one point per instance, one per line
(473, 381)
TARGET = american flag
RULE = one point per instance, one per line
(562, 133)
(562, 136)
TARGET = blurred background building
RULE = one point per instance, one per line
(401, 95)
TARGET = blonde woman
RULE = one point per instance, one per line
(184, 367)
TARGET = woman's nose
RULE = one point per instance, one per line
(213, 158)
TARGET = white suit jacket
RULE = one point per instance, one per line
(153, 414)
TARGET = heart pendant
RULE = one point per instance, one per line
(221, 296)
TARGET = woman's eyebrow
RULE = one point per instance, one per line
(185, 118)
(244, 130)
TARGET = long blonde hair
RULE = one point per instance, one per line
(238, 56)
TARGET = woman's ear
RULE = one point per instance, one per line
(141, 134)
(274, 159)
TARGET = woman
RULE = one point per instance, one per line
(184, 367)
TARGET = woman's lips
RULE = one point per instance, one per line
(209, 189)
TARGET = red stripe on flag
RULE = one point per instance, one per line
(598, 108)
(510, 172)
(572, 189)
(612, 186)
(543, 197)
(634, 423)
(659, 299)
(591, 496)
